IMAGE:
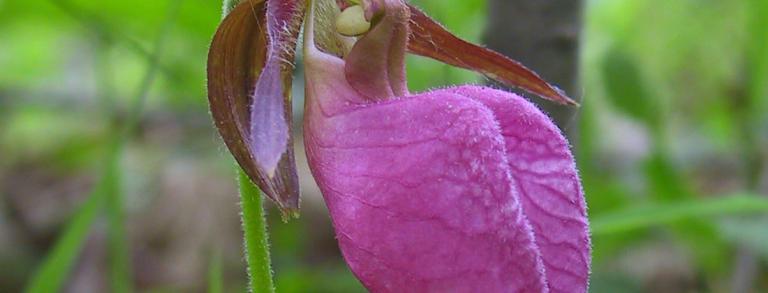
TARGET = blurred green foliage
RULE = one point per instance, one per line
(674, 123)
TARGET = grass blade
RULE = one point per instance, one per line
(215, 274)
(55, 268)
(662, 213)
(119, 260)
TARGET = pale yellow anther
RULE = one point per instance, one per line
(352, 22)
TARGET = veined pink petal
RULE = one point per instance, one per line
(544, 172)
(418, 187)
(467, 189)
(419, 191)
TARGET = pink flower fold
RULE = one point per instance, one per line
(465, 189)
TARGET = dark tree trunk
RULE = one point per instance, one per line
(543, 35)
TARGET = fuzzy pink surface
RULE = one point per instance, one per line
(466, 189)
(544, 173)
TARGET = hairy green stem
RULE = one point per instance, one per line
(255, 235)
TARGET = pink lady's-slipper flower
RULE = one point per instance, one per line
(463, 189)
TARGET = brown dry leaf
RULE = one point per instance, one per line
(430, 39)
(236, 58)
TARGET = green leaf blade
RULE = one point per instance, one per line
(648, 215)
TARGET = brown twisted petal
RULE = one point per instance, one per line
(236, 59)
(430, 39)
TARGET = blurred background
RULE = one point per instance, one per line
(671, 141)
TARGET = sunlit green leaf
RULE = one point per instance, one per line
(655, 214)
